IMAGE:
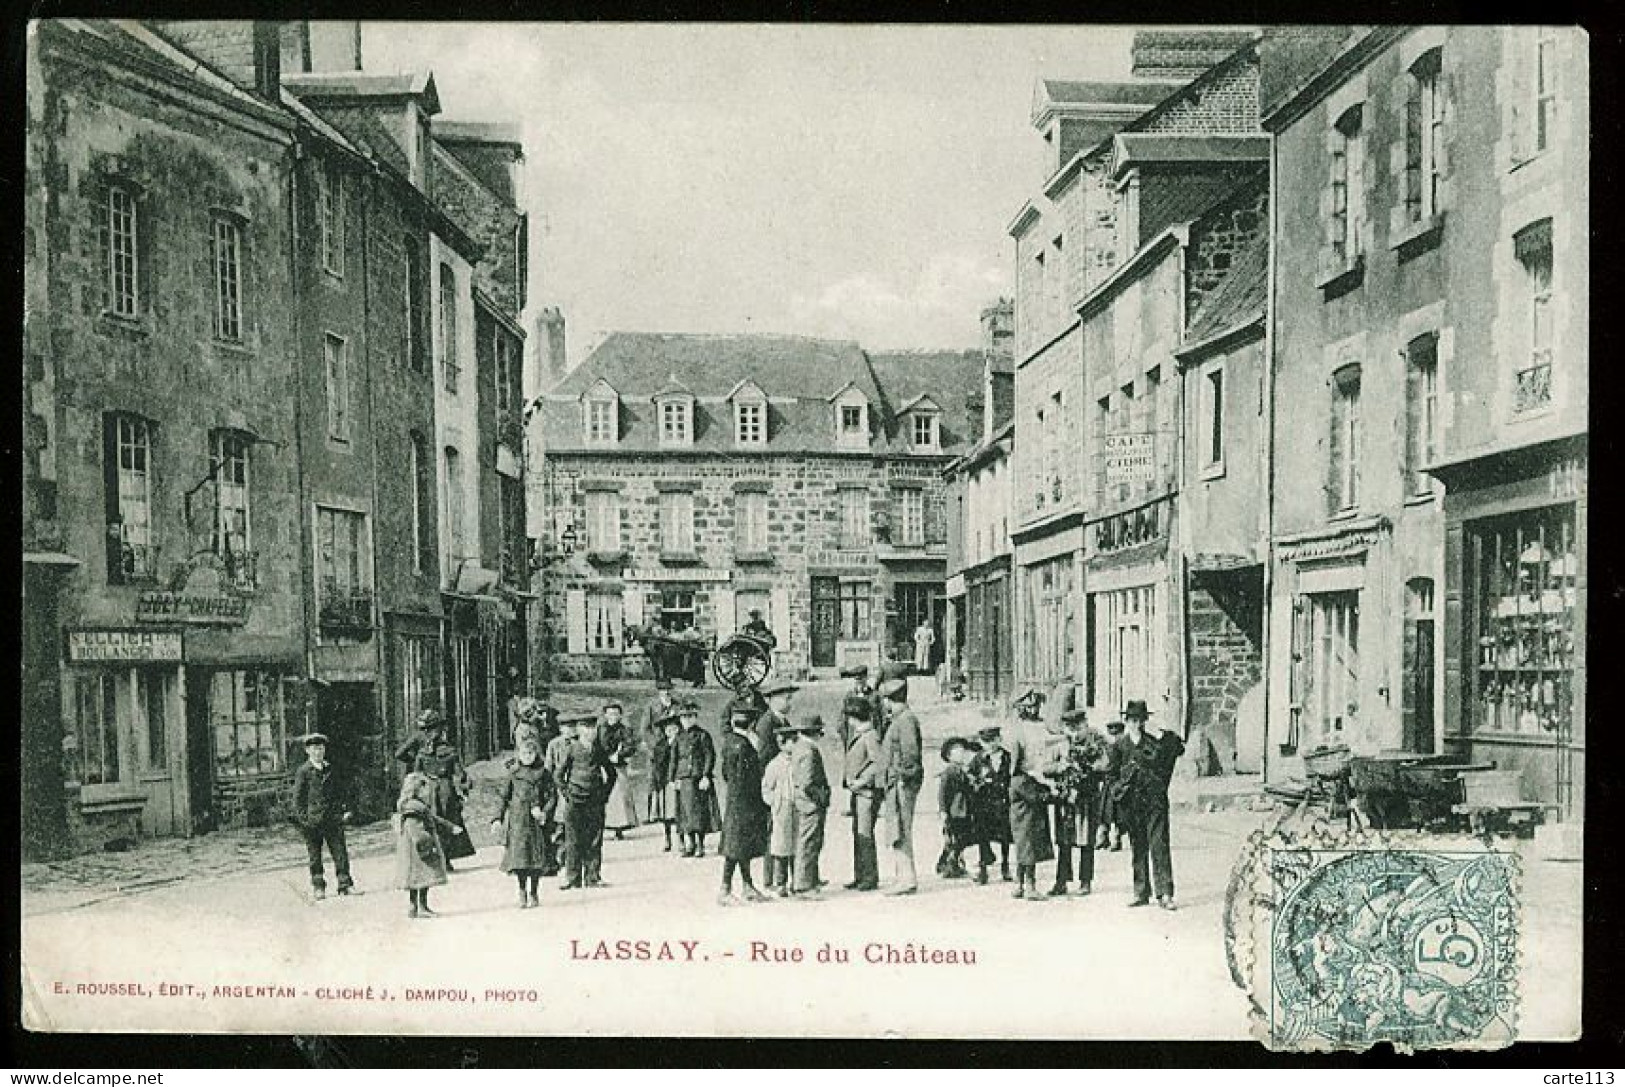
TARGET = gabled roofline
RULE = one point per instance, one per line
(1028, 214)
(1179, 234)
(1242, 331)
(355, 85)
(850, 384)
(739, 387)
(915, 404)
(1333, 75)
(586, 394)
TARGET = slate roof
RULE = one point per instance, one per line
(366, 85)
(1238, 298)
(799, 374)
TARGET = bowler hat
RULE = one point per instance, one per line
(1136, 708)
(855, 671)
(779, 687)
(310, 739)
(896, 690)
(813, 724)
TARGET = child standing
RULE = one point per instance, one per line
(990, 773)
(528, 800)
(954, 796)
(776, 790)
(662, 786)
(420, 860)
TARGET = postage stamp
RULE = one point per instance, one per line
(1348, 944)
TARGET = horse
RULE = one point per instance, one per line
(670, 657)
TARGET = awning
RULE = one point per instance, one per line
(50, 558)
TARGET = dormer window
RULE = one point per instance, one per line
(851, 420)
(924, 431)
(922, 424)
(750, 414)
(676, 422)
(600, 415)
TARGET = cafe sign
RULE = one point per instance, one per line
(200, 594)
(1130, 458)
(124, 646)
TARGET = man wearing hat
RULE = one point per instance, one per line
(902, 771)
(778, 694)
(990, 771)
(1108, 821)
(758, 629)
(656, 712)
(809, 786)
(861, 692)
(1148, 765)
(694, 760)
(585, 779)
(864, 790)
(1072, 806)
(1029, 704)
(320, 810)
(746, 820)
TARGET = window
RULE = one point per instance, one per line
(677, 522)
(246, 714)
(747, 600)
(423, 541)
(854, 518)
(923, 431)
(677, 609)
(1128, 646)
(456, 530)
(1348, 187)
(1424, 128)
(229, 457)
(226, 245)
(511, 527)
(450, 370)
(341, 551)
(1212, 417)
(911, 506)
(330, 218)
(604, 622)
(750, 424)
(855, 606)
(750, 522)
(851, 420)
(675, 427)
(603, 522)
(1344, 485)
(96, 722)
(1421, 411)
(413, 281)
(1545, 86)
(1533, 247)
(1523, 579)
(601, 422)
(132, 553)
(1325, 668)
(506, 353)
(123, 293)
(420, 674)
(338, 388)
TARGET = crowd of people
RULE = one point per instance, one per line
(1056, 790)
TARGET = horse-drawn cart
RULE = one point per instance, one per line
(741, 662)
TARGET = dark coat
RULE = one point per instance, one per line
(954, 794)
(319, 796)
(990, 805)
(524, 837)
(766, 729)
(746, 820)
(441, 762)
(809, 784)
(694, 759)
(584, 775)
(1147, 767)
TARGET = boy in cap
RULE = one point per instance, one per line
(694, 761)
(662, 786)
(320, 811)
(863, 784)
(809, 788)
(990, 774)
(954, 803)
(585, 778)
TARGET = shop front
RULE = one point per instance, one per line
(1133, 620)
(989, 664)
(1515, 617)
(1049, 604)
(851, 610)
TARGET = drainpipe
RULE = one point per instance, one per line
(380, 686)
(1181, 554)
(1268, 513)
(307, 558)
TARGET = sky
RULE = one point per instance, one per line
(847, 181)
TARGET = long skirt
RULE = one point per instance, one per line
(697, 811)
(1029, 822)
(621, 813)
(661, 806)
(449, 806)
(419, 859)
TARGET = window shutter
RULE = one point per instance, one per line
(575, 618)
(1302, 652)
(1518, 78)
(727, 622)
(1455, 573)
(1334, 454)
(632, 607)
(1413, 150)
(1413, 421)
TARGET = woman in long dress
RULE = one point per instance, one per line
(621, 810)
(1036, 755)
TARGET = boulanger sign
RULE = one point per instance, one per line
(157, 646)
(1130, 458)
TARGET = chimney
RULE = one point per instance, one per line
(1182, 54)
(268, 61)
(999, 327)
(334, 45)
(549, 362)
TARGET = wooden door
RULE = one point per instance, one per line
(825, 620)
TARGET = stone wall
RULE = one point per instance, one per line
(1225, 622)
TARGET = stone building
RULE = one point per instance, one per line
(695, 478)
(978, 501)
(1128, 163)
(1431, 335)
(164, 610)
(228, 314)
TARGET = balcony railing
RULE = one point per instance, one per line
(1534, 388)
(242, 570)
(346, 609)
